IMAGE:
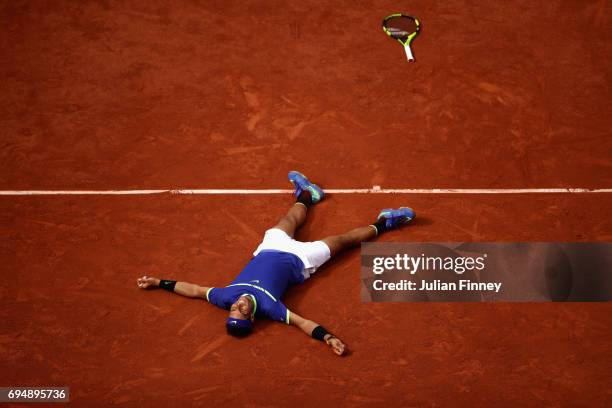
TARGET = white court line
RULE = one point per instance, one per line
(374, 190)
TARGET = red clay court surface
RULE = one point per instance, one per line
(105, 95)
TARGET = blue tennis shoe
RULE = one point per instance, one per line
(301, 183)
(395, 218)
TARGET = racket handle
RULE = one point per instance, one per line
(408, 53)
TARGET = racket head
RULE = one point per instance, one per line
(401, 27)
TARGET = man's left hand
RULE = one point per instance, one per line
(147, 282)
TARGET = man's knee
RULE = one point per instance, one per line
(286, 225)
(287, 220)
(337, 243)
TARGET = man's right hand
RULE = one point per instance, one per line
(337, 346)
(147, 282)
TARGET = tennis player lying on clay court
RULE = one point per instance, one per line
(280, 262)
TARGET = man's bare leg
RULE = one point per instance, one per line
(338, 243)
(307, 194)
(388, 219)
(294, 219)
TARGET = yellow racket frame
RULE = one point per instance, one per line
(410, 37)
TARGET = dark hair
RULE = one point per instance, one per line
(238, 331)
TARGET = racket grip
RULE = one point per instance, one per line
(408, 53)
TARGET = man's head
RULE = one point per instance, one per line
(241, 315)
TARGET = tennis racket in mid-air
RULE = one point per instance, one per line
(403, 28)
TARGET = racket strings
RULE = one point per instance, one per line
(398, 32)
(400, 27)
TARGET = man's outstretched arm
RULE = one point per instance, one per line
(182, 288)
(317, 331)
